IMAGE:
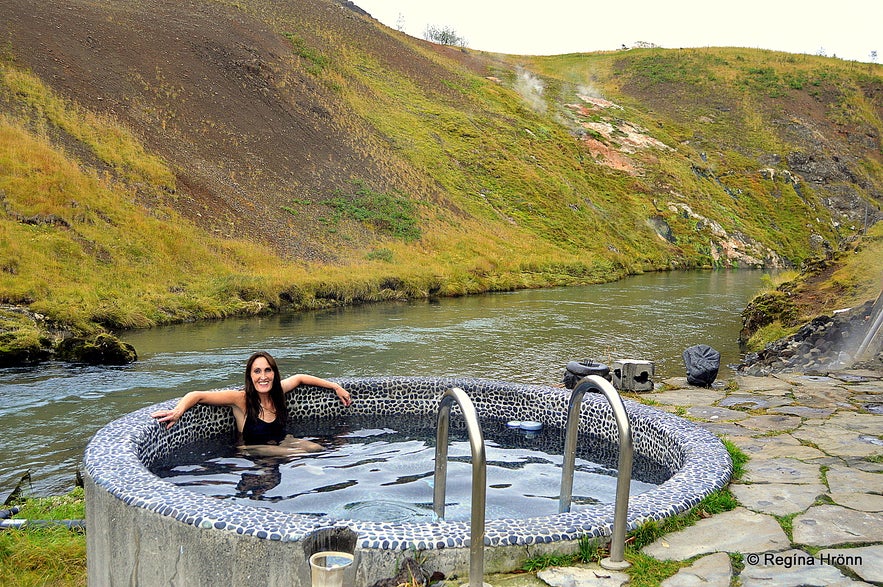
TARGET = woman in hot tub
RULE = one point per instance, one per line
(259, 409)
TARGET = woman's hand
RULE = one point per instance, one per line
(343, 394)
(169, 417)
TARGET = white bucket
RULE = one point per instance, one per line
(327, 568)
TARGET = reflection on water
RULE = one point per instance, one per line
(382, 470)
(48, 413)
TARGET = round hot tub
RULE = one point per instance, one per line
(144, 529)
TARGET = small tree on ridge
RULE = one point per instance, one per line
(443, 36)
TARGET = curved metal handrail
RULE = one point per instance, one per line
(874, 329)
(626, 457)
(479, 475)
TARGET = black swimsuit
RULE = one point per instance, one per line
(256, 431)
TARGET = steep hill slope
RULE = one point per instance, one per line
(256, 155)
(218, 93)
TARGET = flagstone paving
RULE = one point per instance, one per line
(778, 499)
(815, 443)
(713, 570)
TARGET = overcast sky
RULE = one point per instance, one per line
(849, 29)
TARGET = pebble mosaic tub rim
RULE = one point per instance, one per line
(118, 456)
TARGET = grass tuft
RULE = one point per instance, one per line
(738, 458)
(646, 571)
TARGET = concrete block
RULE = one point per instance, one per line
(633, 375)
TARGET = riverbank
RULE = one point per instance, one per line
(810, 504)
(825, 343)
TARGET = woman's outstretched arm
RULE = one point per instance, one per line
(289, 383)
(235, 398)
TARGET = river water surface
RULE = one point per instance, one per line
(48, 413)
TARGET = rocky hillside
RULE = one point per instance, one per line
(363, 164)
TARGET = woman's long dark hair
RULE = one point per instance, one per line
(252, 398)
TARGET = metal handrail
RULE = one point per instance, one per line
(479, 476)
(874, 328)
(626, 456)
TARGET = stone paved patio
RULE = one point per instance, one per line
(816, 449)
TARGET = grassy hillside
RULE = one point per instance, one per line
(162, 163)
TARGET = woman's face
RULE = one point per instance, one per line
(262, 375)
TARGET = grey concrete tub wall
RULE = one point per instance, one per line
(142, 530)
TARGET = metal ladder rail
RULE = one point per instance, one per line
(874, 329)
(616, 560)
(479, 476)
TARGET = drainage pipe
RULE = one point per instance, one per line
(4, 514)
(479, 476)
(18, 524)
(616, 561)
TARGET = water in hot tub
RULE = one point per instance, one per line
(382, 469)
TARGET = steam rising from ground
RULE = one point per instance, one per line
(531, 89)
(588, 90)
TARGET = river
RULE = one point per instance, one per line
(49, 412)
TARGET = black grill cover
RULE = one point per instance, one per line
(702, 364)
